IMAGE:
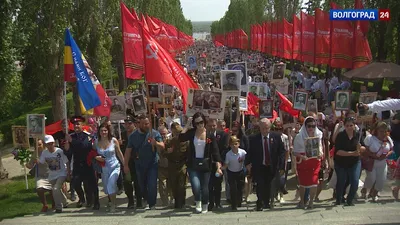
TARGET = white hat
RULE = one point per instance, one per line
(48, 139)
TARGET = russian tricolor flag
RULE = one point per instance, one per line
(92, 95)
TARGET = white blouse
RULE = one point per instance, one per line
(199, 147)
(376, 146)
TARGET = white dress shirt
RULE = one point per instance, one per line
(385, 105)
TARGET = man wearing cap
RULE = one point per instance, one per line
(230, 84)
(79, 144)
(58, 170)
(131, 176)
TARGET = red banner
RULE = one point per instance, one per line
(322, 41)
(341, 42)
(280, 44)
(307, 38)
(287, 39)
(274, 39)
(132, 44)
(296, 38)
(362, 55)
(268, 46)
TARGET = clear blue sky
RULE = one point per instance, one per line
(204, 10)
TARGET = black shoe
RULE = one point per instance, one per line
(58, 211)
(219, 206)
(139, 204)
(234, 209)
(267, 206)
(350, 204)
(131, 205)
(89, 205)
(285, 192)
(240, 205)
(228, 201)
(79, 204)
(259, 208)
(96, 207)
(210, 207)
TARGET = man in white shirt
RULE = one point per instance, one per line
(385, 105)
(172, 117)
(58, 170)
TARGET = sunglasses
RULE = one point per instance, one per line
(198, 123)
(311, 126)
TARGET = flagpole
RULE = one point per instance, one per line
(65, 108)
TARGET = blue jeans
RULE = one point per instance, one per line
(306, 195)
(199, 182)
(351, 175)
(147, 178)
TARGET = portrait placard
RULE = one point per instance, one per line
(258, 79)
(264, 91)
(342, 100)
(243, 104)
(36, 125)
(154, 92)
(210, 103)
(242, 66)
(367, 98)
(266, 108)
(253, 88)
(20, 136)
(312, 105)
(278, 71)
(118, 108)
(312, 147)
(300, 100)
(282, 86)
(230, 82)
(139, 105)
(167, 89)
(192, 62)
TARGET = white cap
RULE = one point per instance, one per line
(48, 139)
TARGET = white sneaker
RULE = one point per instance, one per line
(147, 207)
(198, 207)
(282, 200)
(204, 208)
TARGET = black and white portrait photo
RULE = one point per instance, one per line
(312, 147)
(264, 91)
(312, 105)
(266, 109)
(242, 66)
(368, 97)
(230, 82)
(214, 100)
(20, 136)
(300, 100)
(192, 63)
(36, 124)
(278, 71)
(243, 104)
(139, 105)
(253, 88)
(210, 103)
(342, 100)
(154, 92)
(118, 107)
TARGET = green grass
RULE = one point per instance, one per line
(15, 200)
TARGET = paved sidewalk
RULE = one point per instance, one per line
(386, 211)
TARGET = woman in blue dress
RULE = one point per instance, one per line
(107, 148)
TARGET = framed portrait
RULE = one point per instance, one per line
(312, 105)
(300, 100)
(154, 92)
(139, 105)
(242, 66)
(253, 88)
(342, 100)
(312, 147)
(282, 86)
(36, 125)
(20, 136)
(118, 108)
(367, 98)
(111, 92)
(266, 109)
(258, 79)
(167, 100)
(263, 90)
(230, 82)
(192, 62)
(128, 99)
(278, 71)
(208, 102)
(167, 89)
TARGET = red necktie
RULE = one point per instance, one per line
(266, 152)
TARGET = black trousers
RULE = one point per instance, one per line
(264, 177)
(129, 187)
(86, 176)
(214, 189)
(236, 184)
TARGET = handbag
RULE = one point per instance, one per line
(201, 164)
(367, 163)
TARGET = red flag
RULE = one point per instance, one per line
(280, 40)
(132, 44)
(57, 126)
(296, 38)
(364, 24)
(287, 39)
(274, 38)
(341, 42)
(218, 44)
(269, 39)
(362, 55)
(308, 37)
(322, 41)
(287, 106)
(252, 105)
(162, 68)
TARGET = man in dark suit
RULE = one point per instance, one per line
(265, 157)
(215, 184)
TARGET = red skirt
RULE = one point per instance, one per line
(308, 171)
